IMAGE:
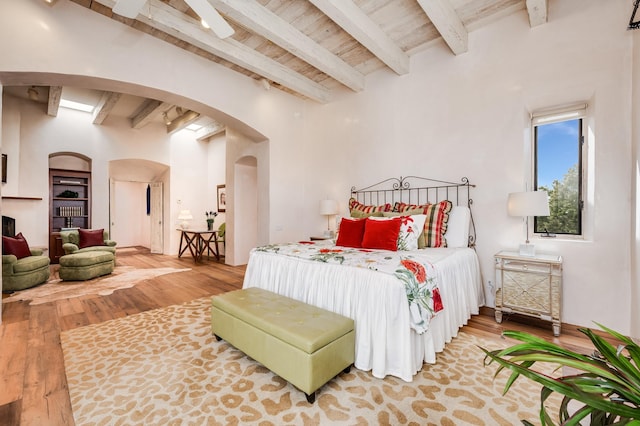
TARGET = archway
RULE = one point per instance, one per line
(137, 203)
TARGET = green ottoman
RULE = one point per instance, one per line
(86, 265)
(305, 345)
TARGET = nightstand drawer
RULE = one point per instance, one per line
(515, 265)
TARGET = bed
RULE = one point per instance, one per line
(396, 333)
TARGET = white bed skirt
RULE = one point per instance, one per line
(385, 343)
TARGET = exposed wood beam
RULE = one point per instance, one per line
(167, 19)
(448, 24)
(354, 21)
(128, 8)
(147, 112)
(270, 26)
(209, 130)
(211, 16)
(538, 11)
(55, 92)
(182, 121)
(104, 107)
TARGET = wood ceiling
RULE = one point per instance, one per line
(313, 48)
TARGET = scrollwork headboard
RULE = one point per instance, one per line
(419, 190)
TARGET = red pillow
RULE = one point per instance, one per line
(351, 232)
(381, 234)
(91, 237)
(17, 246)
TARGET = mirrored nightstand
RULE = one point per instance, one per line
(529, 285)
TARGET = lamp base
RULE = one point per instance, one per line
(527, 250)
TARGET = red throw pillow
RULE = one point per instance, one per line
(16, 246)
(381, 234)
(91, 237)
(351, 232)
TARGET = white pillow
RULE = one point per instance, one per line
(410, 230)
(457, 234)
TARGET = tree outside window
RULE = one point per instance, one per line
(558, 170)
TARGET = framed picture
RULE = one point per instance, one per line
(634, 21)
(4, 168)
(222, 198)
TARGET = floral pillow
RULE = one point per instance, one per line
(435, 225)
(411, 227)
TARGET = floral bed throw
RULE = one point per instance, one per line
(417, 276)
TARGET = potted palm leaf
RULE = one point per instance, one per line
(604, 385)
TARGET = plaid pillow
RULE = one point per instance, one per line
(436, 224)
(357, 209)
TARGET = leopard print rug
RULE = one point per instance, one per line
(165, 367)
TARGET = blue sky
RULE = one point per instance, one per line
(557, 150)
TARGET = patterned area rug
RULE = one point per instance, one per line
(56, 289)
(165, 367)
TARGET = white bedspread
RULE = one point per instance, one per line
(385, 342)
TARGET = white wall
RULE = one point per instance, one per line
(466, 115)
(131, 222)
(452, 116)
(217, 171)
(635, 170)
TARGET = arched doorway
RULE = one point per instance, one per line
(136, 203)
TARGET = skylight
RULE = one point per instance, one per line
(76, 105)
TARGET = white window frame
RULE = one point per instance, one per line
(556, 115)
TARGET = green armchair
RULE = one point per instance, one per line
(71, 242)
(20, 274)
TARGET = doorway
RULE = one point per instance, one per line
(136, 203)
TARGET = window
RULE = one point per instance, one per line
(558, 169)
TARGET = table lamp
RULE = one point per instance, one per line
(328, 208)
(185, 216)
(525, 204)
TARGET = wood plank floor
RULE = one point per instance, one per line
(33, 386)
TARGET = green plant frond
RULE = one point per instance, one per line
(598, 402)
(534, 343)
(613, 356)
(563, 411)
(514, 375)
(531, 348)
(524, 336)
(575, 418)
(613, 333)
(632, 347)
(589, 366)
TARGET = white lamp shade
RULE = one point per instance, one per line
(531, 203)
(185, 215)
(328, 207)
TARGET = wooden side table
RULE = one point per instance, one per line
(197, 242)
(529, 285)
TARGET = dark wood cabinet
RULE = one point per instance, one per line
(69, 205)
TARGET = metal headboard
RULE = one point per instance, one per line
(418, 190)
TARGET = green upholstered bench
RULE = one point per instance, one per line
(303, 344)
(82, 266)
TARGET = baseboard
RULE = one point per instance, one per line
(566, 328)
